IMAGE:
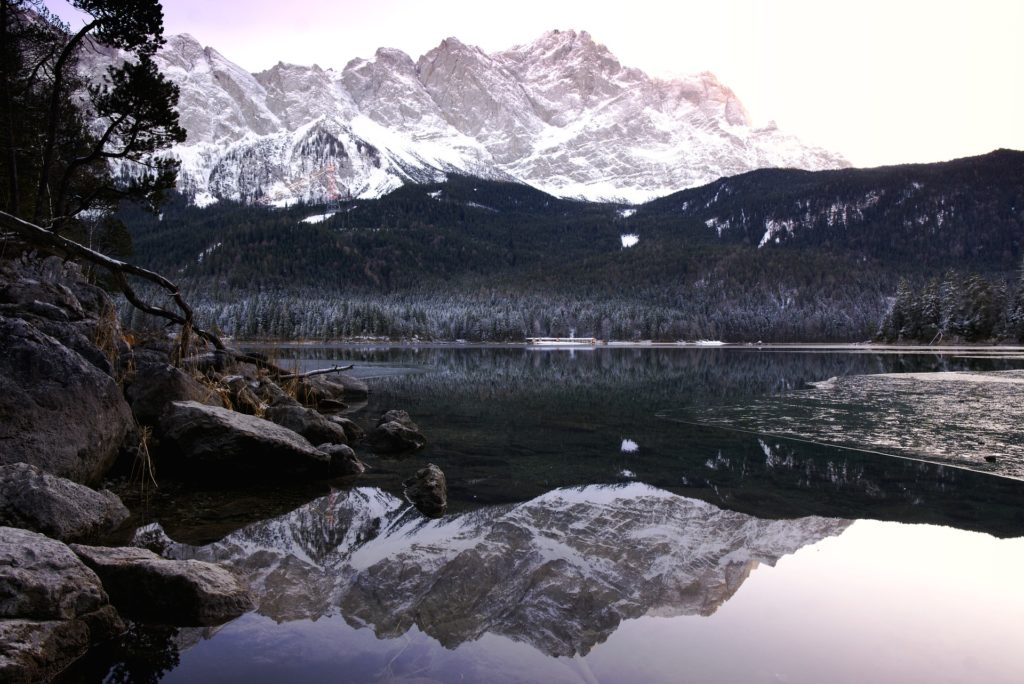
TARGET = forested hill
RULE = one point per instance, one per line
(966, 213)
(485, 260)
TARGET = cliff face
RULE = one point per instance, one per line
(560, 114)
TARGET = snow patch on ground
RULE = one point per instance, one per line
(316, 218)
(630, 239)
(207, 252)
(629, 447)
(626, 213)
(204, 199)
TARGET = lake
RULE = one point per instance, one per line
(631, 515)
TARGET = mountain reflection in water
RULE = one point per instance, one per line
(559, 572)
(596, 533)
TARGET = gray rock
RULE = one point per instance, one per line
(241, 392)
(271, 394)
(396, 433)
(52, 607)
(308, 423)
(35, 651)
(353, 432)
(343, 460)
(155, 385)
(60, 412)
(55, 506)
(336, 386)
(427, 490)
(49, 300)
(153, 537)
(209, 441)
(397, 416)
(144, 586)
(41, 579)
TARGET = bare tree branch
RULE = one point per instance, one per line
(120, 270)
(318, 371)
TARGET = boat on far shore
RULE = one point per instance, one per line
(563, 341)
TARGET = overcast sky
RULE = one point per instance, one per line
(880, 81)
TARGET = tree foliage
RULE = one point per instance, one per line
(76, 143)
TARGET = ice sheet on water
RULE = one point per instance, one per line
(972, 420)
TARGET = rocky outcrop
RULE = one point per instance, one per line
(60, 411)
(206, 441)
(52, 607)
(396, 433)
(57, 507)
(155, 385)
(308, 423)
(427, 490)
(147, 587)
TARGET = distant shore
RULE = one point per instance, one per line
(867, 347)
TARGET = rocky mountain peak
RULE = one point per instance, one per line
(560, 113)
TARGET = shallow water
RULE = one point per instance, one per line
(598, 533)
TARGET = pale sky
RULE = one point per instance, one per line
(879, 81)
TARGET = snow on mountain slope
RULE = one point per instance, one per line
(561, 114)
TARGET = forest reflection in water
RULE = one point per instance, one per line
(592, 537)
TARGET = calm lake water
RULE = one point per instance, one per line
(631, 515)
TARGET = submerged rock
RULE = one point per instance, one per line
(427, 490)
(52, 607)
(57, 507)
(209, 441)
(146, 587)
(343, 460)
(396, 433)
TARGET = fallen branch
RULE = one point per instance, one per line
(120, 270)
(318, 371)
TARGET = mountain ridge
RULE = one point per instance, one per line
(561, 114)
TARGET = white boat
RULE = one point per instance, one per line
(563, 341)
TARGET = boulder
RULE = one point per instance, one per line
(55, 506)
(427, 490)
(316, 389)
(353, 432)
(271, 394)
(343, 460)
(242, 395)
(155, 385)
(146, 587)
(307, 422)
(60, 411)
(207, 441)
(52, 607)
(396, 433)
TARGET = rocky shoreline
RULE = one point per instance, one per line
(82, 402)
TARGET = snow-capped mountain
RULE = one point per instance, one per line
(561, 114)
(559, 572)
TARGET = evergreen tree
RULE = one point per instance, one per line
(57, 164)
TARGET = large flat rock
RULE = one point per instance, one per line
(144, 586)
(205, 441)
